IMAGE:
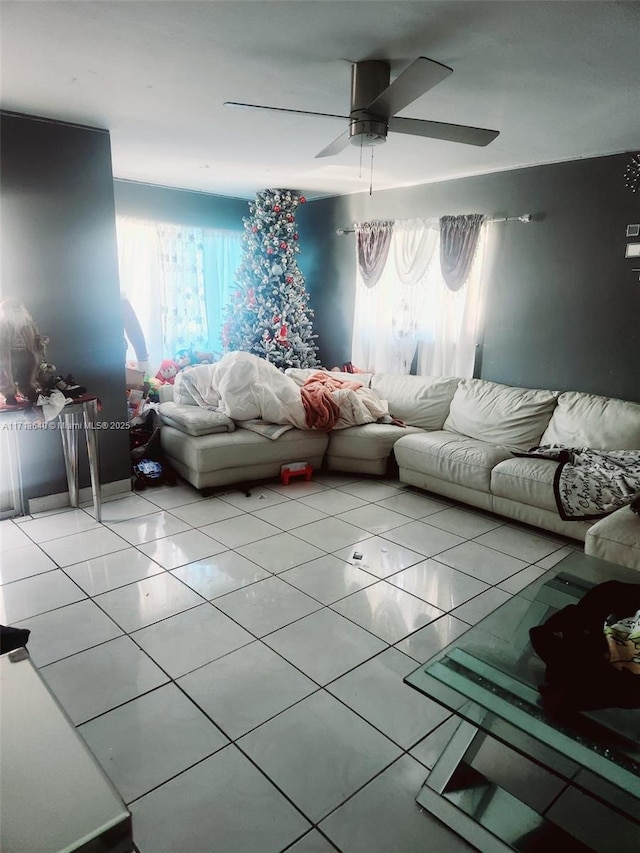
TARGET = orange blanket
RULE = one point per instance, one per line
(321, 410)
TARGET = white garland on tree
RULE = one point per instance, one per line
(269, 314)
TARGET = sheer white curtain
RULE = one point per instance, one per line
(448, 344)
(411, 307)
(184, 312)
(140, 276)
(222, 256)
(178, 280)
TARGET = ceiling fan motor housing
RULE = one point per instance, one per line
(368, 79)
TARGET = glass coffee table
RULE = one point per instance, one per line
(511, 778)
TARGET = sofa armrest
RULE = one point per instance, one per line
(165, 393)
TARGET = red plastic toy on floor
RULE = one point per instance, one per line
(295, 469)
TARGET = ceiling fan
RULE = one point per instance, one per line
(375, 102)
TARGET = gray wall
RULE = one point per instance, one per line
(59, 256)
(170, 205)
(561, 303)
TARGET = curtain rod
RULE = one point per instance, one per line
(524, 217)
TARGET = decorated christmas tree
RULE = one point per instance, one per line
(269, 314)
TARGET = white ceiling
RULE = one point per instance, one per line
(560, 80)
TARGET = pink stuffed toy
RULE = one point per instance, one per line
(167, 372)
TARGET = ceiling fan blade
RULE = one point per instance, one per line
(442, 130)
(336, 146)
(418, 78)
(279, 110)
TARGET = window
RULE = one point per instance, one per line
(410, 313)
(178, 279)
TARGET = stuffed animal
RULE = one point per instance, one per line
(203, 358)
(167, 372)
(184, 358)
(22, 350)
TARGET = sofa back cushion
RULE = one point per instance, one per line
(601, 423)
(419, 401)
(500, 414)
(301, 374)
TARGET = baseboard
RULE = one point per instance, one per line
(49, 502)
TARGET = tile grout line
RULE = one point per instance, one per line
(388, 645)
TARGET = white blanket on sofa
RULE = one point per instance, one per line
(245, 387)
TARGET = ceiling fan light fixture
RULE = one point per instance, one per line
(367, 132)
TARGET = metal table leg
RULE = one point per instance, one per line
(71, 421)
(90, 415)
(69, 437)
(15, 470)
(479, 810)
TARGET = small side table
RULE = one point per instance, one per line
(82, 413)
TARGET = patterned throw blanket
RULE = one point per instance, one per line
(590, 484)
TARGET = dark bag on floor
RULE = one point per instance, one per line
(12, 638)
(572, 643)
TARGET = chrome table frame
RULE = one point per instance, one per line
(491, 704)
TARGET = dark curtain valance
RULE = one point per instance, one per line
(373, 240)
(458, 243)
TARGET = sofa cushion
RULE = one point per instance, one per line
(419, 401)
(242, 448)
(367, 441)
(450, 456)
(500, 414)
(616, 538)
(601, 423)
(526, 480)
(194, 420)
(301, 374)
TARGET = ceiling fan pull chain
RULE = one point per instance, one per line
(371, 175)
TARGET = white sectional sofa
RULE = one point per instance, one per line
(458, 442)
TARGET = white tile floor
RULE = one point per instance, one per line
(241, 683)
